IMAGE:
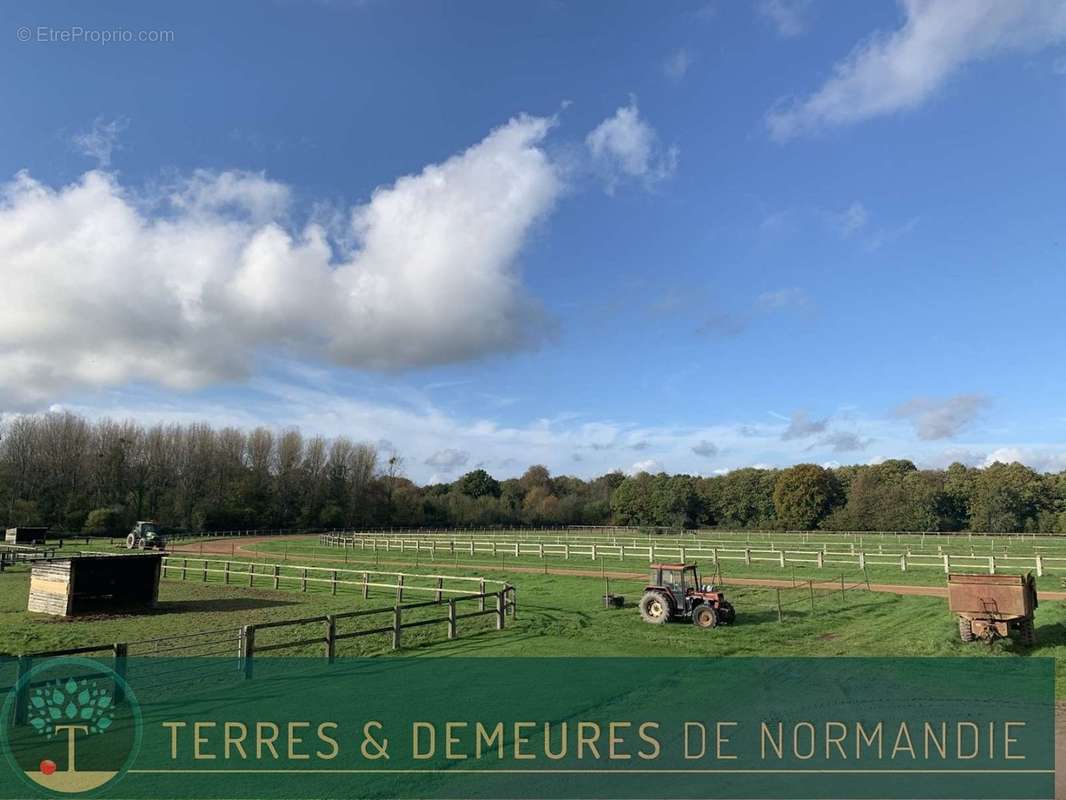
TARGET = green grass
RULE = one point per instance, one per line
(292, 551)
(557, 616)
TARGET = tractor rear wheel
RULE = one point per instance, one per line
(131, 541)
(965, 630)
(727, 615)
(704, 617)
(1027, 632)
(655, 608)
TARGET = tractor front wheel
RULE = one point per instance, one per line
(704, 617)
(655, 608)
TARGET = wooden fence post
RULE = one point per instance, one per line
(366, 586)
(251, 574)
(399, 589)
(481, 591)
(396, 625)
(333, 581)
(991, 565)
(331, 638)
(947, 564)
(452, 632)
(204, 579)
(810, 583)
(500, 609)
(1039, 566)
(780, 615)
(842, 595)
(225, 574)
(184, 568)
(303, 581)
(440, 587)
(277, 576)
(247, 649)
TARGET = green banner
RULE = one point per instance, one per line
(554, 728)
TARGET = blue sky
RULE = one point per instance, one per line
(684, 236)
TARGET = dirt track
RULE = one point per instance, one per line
(246, 548)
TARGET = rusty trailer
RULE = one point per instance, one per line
(992, 606)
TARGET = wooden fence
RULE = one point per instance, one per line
(284, 576)
(701, 550)
(502, 602)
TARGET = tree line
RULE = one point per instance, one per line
(69, 473)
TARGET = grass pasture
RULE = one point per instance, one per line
(557, 616)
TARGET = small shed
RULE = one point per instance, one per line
(25, 535)
(95, 584)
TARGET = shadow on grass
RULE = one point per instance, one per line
(218, 604)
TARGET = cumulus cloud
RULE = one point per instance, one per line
(705, 449)
(625, 146)
(448, 460)
(1040, 459)
(677, 64)
(942, 418)
(101, 140)
(800, 426)
(789, 17)
(900, 70)
(649, 465)
(101, 288)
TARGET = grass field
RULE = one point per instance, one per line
(557, 616)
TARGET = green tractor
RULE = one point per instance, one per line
(146, 536)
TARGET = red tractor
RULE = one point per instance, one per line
(674, 591)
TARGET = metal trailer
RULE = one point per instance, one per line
(992, 606)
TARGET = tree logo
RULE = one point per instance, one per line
(71, 725)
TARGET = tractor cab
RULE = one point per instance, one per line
(674, 591)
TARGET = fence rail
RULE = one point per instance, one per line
(503, 601)
(278, 576)
(715, 552)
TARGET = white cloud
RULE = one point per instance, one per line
(625, 146)
(101, 140)
(942, 418)
(789, 17)
(1040, 459)
(648, 465)
(677, 64)
(101, 289)
(852, 219)
(900, 70)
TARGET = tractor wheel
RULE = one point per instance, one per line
(965, 630)
(131, 541)
(655, 608)
(141, 544)
(1027, 633)
(704, 617)
(727, 615)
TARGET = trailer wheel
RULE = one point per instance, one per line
(1027, 632)
(965, 630)
(655, 608)
(704, 617)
